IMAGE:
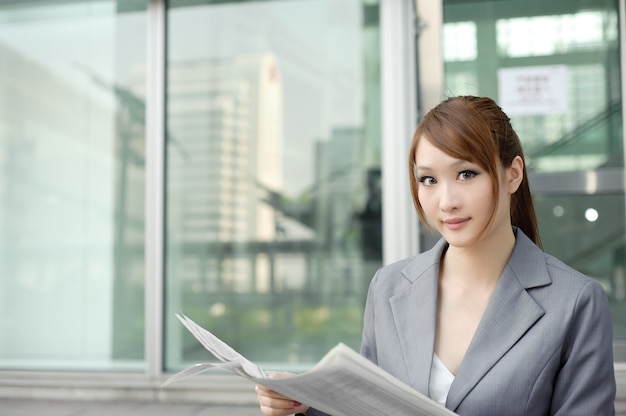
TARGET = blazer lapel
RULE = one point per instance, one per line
(510, 313)
(414, 311)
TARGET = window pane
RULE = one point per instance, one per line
(72, 184)
(273, 175)
(579, 46)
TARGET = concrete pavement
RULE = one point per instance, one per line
(25, 407)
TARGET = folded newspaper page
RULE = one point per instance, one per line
(342, 383)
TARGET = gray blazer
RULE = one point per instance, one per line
(543, 346)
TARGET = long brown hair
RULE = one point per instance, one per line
(477, 130)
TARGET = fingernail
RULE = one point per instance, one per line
(296, 404)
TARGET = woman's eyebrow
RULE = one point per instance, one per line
(457, 163)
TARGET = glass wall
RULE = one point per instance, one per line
(273, 209)
(72, 184)
(272, 169)
(555, 69)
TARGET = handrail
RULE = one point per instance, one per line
(576, 134)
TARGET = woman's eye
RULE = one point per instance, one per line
(467, 174)
(427, 180)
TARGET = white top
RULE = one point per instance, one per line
(440, 381)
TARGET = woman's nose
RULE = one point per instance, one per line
(448, 198)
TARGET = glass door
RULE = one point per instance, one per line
(555, 69)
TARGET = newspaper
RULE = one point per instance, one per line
(342, 383)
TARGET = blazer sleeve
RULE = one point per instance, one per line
(368, 340)
(585, 384)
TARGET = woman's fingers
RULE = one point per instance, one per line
(275, 404)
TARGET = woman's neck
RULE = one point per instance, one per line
(483, 262)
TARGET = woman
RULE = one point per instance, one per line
(485, 322)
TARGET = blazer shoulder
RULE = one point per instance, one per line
(557, 267)
(566, 279)
(536, 268)
(402, 273)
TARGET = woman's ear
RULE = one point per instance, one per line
(515, 175)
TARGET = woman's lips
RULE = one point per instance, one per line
(455, 223)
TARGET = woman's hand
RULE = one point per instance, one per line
(275, 404)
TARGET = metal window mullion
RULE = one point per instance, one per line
(622, 35)
(155, 188)
(398, 112)
(619, 346)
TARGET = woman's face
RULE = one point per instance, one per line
(457, 196)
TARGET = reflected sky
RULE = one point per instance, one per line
(319, 49)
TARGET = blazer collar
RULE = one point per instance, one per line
(414, 309)
(509, 314)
